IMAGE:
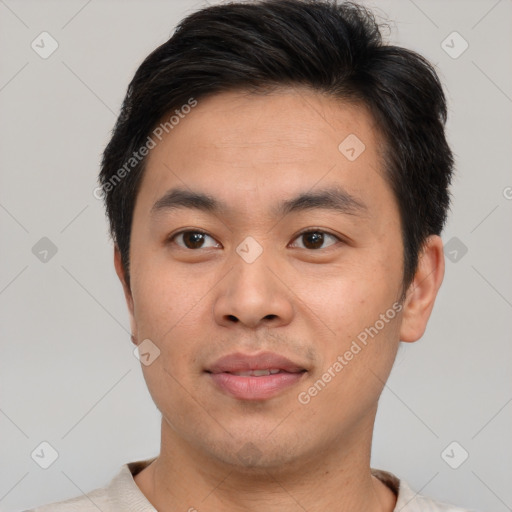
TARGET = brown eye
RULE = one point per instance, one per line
(192, 239)
(314, 240)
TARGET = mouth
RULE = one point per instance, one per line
(255, 377)
(258, 373)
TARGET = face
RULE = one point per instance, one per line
(259, 243)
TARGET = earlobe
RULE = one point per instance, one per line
(120, 271)
(422, 292)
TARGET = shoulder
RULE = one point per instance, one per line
(94, 500)
(410, 501)
(121, 493)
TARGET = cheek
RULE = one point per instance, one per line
(173, 309)
(166, 295)
(353, 372)
(170, 313)
(350, 296)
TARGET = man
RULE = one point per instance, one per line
(276, 185)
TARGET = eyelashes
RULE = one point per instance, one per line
(198, 237)
(314, 238)
(194, 239)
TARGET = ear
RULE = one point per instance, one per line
(120, 271)
(422, 292)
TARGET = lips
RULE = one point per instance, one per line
(255, 377)
(238, 362)
(257, 373)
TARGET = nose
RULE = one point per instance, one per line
(253, 294)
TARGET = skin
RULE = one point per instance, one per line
(308, 304)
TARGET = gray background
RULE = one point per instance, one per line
(68, 375)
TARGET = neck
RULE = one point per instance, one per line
(183, 478)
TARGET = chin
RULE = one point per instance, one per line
(257, 452)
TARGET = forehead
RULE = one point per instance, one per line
(255, 148)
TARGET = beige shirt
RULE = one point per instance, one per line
(123, 495)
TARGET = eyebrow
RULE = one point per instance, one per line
(333, 198)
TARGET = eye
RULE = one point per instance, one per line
(314, 239)
(192, 239)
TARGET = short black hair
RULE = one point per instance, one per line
(330, 47)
